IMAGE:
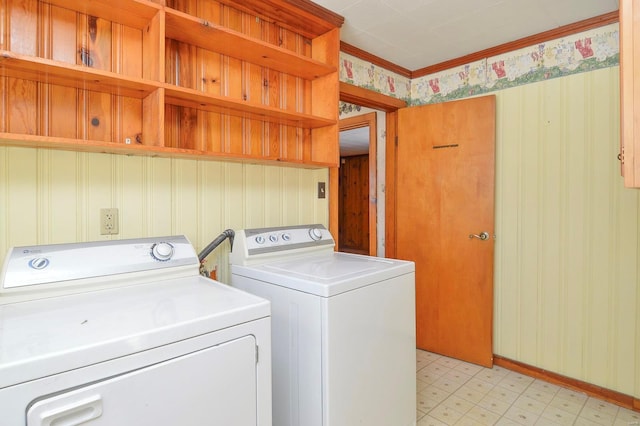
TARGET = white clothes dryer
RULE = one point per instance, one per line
(127, 332)
(343, 327)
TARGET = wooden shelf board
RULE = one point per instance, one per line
(132, 13)
(76, 145)
(84, 145)
(190, 98)
(63, 74)
(188, 29)
(220, 156)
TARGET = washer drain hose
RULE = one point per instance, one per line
(227, 233)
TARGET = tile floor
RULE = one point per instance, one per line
(453, 392)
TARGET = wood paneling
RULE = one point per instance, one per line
(64, 105)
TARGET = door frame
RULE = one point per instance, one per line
(374, 100)
(357, 122)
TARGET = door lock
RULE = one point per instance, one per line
(482, 236)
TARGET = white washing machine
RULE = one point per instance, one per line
(128, 333)
(343, 327)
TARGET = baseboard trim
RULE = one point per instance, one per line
(617, 398)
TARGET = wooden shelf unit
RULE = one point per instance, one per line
(173, 83)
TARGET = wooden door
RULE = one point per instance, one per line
(445, 182)
(353, 209)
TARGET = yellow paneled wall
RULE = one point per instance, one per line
(49, 196)
(567, 281)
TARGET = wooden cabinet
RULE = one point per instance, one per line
(230, 79)
(630, 92)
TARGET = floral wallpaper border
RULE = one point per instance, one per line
(582, 52)
(365, 74)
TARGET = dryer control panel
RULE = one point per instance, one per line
(84, 265)
(256, 245)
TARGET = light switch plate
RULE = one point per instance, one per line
(322, 190)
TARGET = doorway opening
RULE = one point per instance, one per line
(387, 105)
(357, 185)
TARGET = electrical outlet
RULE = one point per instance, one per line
(108, 221)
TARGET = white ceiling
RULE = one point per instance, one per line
(418, 33)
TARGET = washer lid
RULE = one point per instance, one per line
(327, 274)
(47, 336)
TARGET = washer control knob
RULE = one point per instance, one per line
(260, 239)
(162, 251)
(273, 238)
(315, 234)
(286, 237)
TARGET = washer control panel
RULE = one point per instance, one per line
(259, 243)
(286, 238)
(46, 264)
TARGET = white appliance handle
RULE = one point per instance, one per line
(72, 414)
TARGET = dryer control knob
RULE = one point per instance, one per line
(162, 251)
(39, 263)
(315, 234)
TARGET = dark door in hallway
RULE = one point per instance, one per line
(354, 204)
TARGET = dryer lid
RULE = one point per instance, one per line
(42, 337)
